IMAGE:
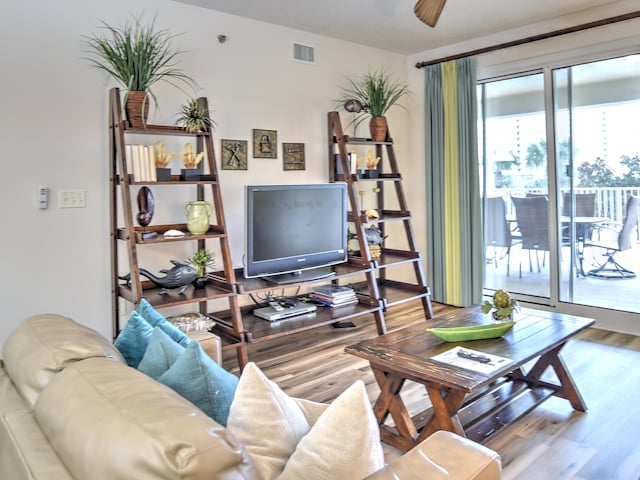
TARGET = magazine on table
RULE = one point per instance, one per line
(481, 362)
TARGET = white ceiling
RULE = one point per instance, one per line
(391, 24)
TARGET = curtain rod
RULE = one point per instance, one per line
(534, 38)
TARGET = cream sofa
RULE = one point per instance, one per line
(70, 408)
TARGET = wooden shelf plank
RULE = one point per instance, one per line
(205, 179)
(215, 231)
(160, 130)
(259, 330)
(173, 297)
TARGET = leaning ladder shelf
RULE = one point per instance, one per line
(392, 292)
(125, 233)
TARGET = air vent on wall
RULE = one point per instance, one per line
(304, 53)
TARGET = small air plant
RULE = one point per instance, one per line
(194, 117)
(202, 259)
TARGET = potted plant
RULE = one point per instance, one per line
(372, 95)
(503, 306)
(138, 56)
(194, 116)
(202, 259)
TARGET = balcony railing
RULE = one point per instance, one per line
(611, 202)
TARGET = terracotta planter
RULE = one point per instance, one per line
(378, 129)
(136, 109)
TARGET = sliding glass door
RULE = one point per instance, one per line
(596, 110)
(515, 184)
(560, 159)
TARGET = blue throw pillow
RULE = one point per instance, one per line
(133, 339)
(161, 353)
(203, 382)
(155, 319)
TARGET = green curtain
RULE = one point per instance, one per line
(454, 228)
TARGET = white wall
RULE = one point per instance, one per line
(53, 131)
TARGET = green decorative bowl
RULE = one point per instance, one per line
(475, 332)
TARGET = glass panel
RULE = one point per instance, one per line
(514, 165)
(596, 112)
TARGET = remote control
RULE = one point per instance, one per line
(473, 356)
(276, 306)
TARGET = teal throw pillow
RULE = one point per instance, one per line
(133, 339)
(161, 353)
(155, 319)
(203, 382)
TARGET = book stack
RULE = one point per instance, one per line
(141, 161)
(333, 295)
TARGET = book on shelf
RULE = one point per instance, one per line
(333, 298)
(149, 162)
(332, 302)
(340, 299)
(332, 290)
(141, 162)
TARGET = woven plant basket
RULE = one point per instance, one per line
(136, 109)
(378, 129)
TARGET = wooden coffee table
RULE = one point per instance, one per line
(463, 401)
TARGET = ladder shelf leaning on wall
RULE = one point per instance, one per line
(236, 325)
(128, 238)
(379, 220)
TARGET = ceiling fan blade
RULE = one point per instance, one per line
(429, 11)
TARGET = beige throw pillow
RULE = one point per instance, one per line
(266, 420)
(279, 433)
(344, 442)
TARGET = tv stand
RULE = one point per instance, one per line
(256, 330)
(300, 276)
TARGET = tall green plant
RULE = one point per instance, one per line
(138, 56)
(377, 92)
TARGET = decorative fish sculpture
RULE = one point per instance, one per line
(178, 276)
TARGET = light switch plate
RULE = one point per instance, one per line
(72, 199)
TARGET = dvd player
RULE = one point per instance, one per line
(272, 314)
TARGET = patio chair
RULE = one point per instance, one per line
(611, 268)
(585, 206)
(532, 217)
(498, 234)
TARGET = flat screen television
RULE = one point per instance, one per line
(292, 231)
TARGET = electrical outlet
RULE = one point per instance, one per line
(71, 199)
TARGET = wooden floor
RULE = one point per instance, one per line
(552, 442)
